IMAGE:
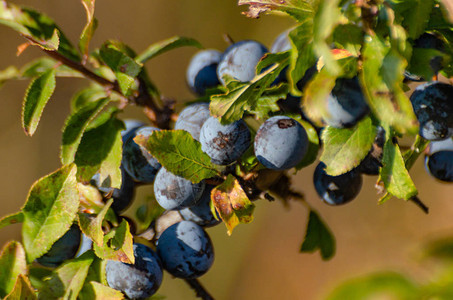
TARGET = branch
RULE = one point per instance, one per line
(161, 117)
(201, 292)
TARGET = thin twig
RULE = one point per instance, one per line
(420, 204)
(201, 292)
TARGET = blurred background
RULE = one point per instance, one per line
(260, 260)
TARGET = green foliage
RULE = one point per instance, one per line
(117, 245)
(12, 264)
(75, 126)
(50, 209)
(180, 154)
(66, 281)
(22, 290)
(345, 148)
(241, 97)
(318, 236)
(165, 46)
(100, 150)
(36, 97)
(341, 39)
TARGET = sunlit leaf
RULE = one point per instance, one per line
(50, 209)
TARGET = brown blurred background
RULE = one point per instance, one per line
(260, 260)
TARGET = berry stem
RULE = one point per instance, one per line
(420, 204)
(201, 292)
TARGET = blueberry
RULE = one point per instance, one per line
(433, 106)
(173, 192)
(185, 250)
(427, 41)
(131, 127)
(137, 161)
(440, 165)
(336, 190)
(85, 244)
(280, 143)
(201, 212)
(439, 161)
(192, 118)
(202, 71)
(373, 161)
(240, 59)
(63, 249)
(346, 104)
(224, 143)
(139, 280)
(281, 43)
(122, 197)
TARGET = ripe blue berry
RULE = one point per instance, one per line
(63, 249)
(224, 143)
(192, 118)
(139, 280)
(280, 143)
(185, 250)
(240, 59)
(439, 162)
(433, 106)
(346, 104)
(336, 190)
(202, 71)
(201, 213)
(173, 192)
(137, 161)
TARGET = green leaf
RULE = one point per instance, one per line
(38, 93)
(381, 79)
(242, 97)
(439, 249)
(326, 18)
(165, 46)
(37, 275)
(415, 13)
(86, 96)
(267, 102)
(75, 127)
(319, 88)
(232, 203)
(383, 285)
(50, 209)
(348, 37)
(9, 73)
(12, 263)
(422, 61)
(88, 30)
(96, 290)
(91, 225)
(38, 27)
(118, 245)
(22, 290)
(100, 150)
(298, 9)
(313, 146)
(12, 219)
(345, 148)
(394, 174)
(44, 64)
(67, 280)
(126, 69)
(318, 236)
(178, 152)
(302, 53)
